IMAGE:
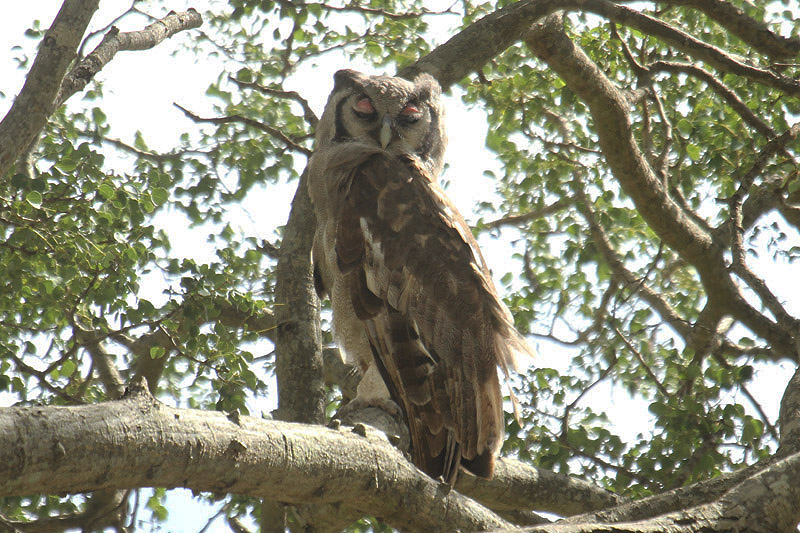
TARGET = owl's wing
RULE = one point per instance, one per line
(435, 325)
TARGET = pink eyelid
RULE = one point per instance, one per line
(364, 106)
(410, 110)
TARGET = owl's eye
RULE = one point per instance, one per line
(363, 108)
(410, 113)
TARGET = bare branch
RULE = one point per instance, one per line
(131, 9)
(229, 119)
(516, 220)
(308, 114)
(371, 11)
(114, 42)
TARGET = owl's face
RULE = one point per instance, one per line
(398, 115)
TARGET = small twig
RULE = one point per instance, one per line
(568, 409)
(510, 220)
(308, 113)
(644, 364)
(727, 94)
(229, 119)
(107, 27)
(354, 8)
(160, 158)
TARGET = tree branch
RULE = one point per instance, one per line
(114, 42)
(611, 117)
(684, 42)
(718, 87)
(789, 418)
(752, 31)
(36, 101)
(455, 59)
(298, 347)
(517, 486)
(763, 501)
(308, 113)
(74, 449)
(266, 128)
(516, 220)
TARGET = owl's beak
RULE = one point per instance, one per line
(386, 132)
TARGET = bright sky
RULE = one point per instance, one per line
(140, 88)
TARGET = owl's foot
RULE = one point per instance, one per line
(358, 404)
(380, 413)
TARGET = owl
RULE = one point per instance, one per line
(413, 301)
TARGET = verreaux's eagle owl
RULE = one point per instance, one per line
(413, 301)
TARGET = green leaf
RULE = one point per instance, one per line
(106, 191)
(34, 198)
(68, 368)
(157, 352)
(159, 195)
(67, 164)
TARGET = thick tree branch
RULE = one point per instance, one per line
(612, 121)
(789, 419)
(764, 501)
(752, 31)
(114, 42)
(455, 59)
(517, 486)
(298, 348)
(684, 42)
(74, 449)
(36, 101)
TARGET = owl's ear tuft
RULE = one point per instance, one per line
(347, 78)
(427, 86)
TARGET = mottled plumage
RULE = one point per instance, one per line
(413, 301)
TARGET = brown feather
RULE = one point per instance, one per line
(432, 317)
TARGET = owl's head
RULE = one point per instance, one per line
(398, 115)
